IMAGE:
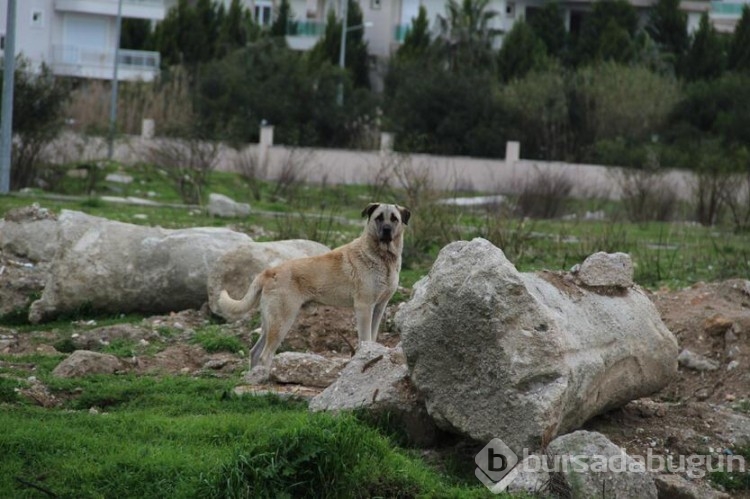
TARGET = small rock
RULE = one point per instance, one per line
(702, 394)
(216, 364)
(377, 380)
(46, 350)
(717, 325)
(119, 178)
(531, 478)
(730, 397)
(733, 352)
(733, 365)
(306, 369)
(592, 480)
(607, 269)
(84, 363)
(224, 206)
(676, 487)
(696, 362)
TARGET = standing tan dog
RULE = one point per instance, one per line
(362, 274)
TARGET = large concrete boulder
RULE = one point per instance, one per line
(237, 267)
(522, 356)
(120, 267)
(29, 232)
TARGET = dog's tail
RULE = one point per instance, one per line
(248, 303)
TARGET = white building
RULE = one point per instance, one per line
(390, 19)
(78, 37)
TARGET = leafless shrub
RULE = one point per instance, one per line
(381, 179)
(710, 192)
(738, 202)
(292, 172)
(506, 231)
(252, 169)
(646, 194)
(435, 224)
(166, 100)
(543, 194)
(312, 226)
(187, 163)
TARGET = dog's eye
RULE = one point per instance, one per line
(394, 219)
(380, 218)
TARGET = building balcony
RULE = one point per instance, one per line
(141, 9)
(87, 62)
(400, 31)
(303, 35)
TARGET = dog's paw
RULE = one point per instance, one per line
(258, 375)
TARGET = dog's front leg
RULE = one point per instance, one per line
(364, 312)
(377, 317)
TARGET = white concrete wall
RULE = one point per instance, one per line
(335, 166)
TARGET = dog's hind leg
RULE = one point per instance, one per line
(278, 318)
(257, 349)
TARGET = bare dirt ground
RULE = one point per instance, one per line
(699, 412)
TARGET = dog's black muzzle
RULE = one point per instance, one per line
(386, 234)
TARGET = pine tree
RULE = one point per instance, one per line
(356, 56)
(705, 59)
(603, 14)
(233, 29)
(417, 39)
(549, 26)
(284, 17)
(739, 49)
(521, 52)
(667, 26)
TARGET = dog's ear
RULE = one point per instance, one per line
(367, 212)
(405, 214)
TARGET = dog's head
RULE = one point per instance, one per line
(387, 220)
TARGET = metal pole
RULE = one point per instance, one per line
(342, 51)
(113, 102)
(6, 129)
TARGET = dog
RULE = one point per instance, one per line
(362, 275)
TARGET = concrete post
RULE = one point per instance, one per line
(266, 141)
(386, 142)
(512, 151)
(148, 127)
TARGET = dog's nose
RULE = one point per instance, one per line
(387, 230)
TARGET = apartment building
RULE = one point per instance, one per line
(78, 37)
(388, 20)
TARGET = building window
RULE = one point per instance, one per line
(263, 10)
(37, 19)
(375, 4)
(510, 9)
(2, 42)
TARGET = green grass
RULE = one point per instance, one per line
(734, 480)
(214, 339)
(191, 437)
